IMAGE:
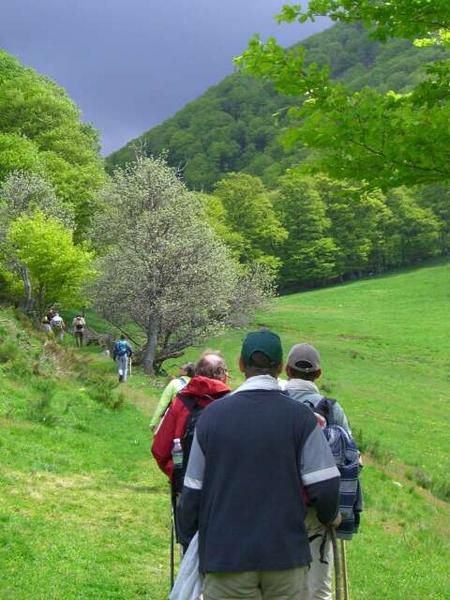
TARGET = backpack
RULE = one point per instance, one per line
(346, 454)
(324, 408)
(121, 347)
(195, 410)
(56, 323)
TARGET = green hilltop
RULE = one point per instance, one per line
(235, 125)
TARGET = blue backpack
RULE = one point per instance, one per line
(346, 455)
(122, 348)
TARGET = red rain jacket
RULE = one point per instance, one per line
(204, 391)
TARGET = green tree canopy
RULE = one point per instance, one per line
(250, 213)
(41, 132)
(387, 139)
(309, 254)
(56, 268)
(202, 138)
(413, 232)
(163, 267)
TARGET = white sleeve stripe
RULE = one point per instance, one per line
(194, 484)
(322, 475)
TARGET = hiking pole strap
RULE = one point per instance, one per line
(337, 564)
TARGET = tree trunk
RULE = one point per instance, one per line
(27, 301)
(41, 306)
(150, 348)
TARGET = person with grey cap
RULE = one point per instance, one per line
(303, 368)
(256, 453)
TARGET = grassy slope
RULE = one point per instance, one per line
(84, 513)
(385, 347)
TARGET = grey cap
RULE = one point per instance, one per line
(304, 357)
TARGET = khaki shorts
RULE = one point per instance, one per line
(289, 584)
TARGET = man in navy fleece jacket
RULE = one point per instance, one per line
(255, 452)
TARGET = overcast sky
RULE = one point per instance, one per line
(130, 64)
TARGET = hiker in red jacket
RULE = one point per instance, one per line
(208, 384)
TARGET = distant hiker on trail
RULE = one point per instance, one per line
(253, 454)
(122, 353)
(58, 326)
(50, 314)
(78, 325)
(170, 391)
(303, 368)
(207, 384)
(46, 325)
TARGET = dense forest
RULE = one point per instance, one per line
(310, 230)
(236, 125)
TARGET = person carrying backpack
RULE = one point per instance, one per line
(303, 368)
(122, 352)
(253, 455)
(50, 314)
(170, 391)
(58, 326)
(78, 325)
(207, 385)
(46, 325)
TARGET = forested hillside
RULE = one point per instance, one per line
(70, 237)
(308, 230)
(235, 125)
(362, 189)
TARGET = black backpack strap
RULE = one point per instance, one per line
(325, 409)
(188, 401)
(309, 404)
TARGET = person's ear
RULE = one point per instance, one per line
(318, 373)
(241, 365)
(279, 369)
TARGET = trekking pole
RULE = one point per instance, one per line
(172, 550)
(173, 528)
(344, 570)
(337, 565)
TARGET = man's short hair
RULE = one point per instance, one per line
(211, 364)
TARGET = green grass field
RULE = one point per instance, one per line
(84, 512)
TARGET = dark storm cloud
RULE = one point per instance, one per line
(130, 64)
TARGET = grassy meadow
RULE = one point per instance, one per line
(84, 512)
